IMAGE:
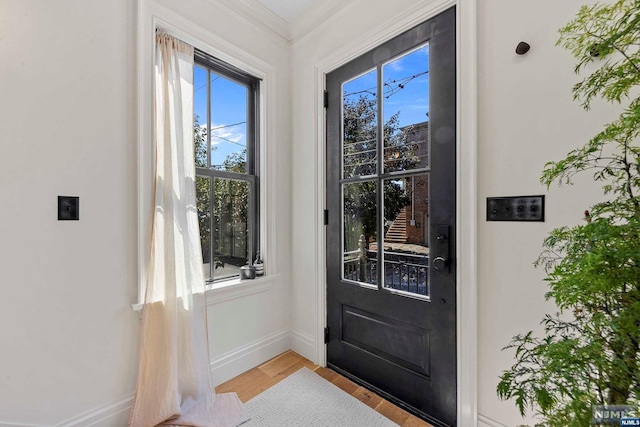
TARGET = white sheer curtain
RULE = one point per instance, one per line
(174, 381)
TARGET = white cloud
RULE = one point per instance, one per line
(223, 133)
(396, 65)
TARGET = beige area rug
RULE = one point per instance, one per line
(306, 399)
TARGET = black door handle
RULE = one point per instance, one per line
(440, 263)
(441, 257)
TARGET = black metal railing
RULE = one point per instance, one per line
(406, 272)
(359, 269)
(402, 271)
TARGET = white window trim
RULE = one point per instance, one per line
(152, 16)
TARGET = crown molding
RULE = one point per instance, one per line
(319, 12)
(258, 15)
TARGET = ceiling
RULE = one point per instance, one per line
(287, 9)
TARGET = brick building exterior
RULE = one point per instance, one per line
(411, 225)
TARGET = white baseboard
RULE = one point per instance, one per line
(484, 421)
(303, 344)
(109, 415)
(223, 368)
(120, 419)
(3, 424)
(239, 360)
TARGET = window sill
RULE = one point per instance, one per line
(231, 289)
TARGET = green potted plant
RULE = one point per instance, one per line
(589, 353)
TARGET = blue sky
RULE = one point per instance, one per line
(406, 86)
(406, 90)
(228, 113)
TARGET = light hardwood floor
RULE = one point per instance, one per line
(257, 380)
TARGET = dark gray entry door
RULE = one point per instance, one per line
(391, 192)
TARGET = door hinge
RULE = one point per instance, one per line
(326, 217)
(326, 99)
(326, 335)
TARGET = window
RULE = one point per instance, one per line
(226, 158)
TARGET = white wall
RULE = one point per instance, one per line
(69, 338)
(526, 117)
(68, 127)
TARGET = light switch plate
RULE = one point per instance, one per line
(68, 208)
(518, 208)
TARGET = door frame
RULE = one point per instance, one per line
(466, 189)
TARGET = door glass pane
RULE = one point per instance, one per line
(360, 126)
(406, 247)
(203, 201)
(228, 124)
(230, 235)
(406, 111)
(359, 231)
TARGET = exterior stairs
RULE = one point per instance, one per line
(397, 233)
